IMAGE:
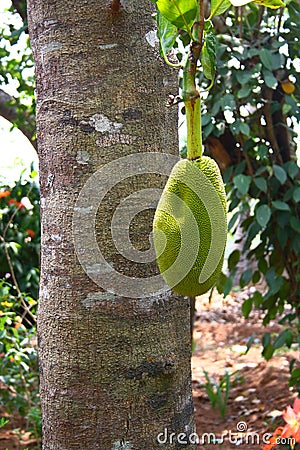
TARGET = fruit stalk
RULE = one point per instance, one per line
(191, 98)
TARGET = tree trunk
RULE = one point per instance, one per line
(114, 363)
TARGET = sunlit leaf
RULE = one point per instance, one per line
(208, 56)
(167, 34)
(180, 13)
(219, 7)
(274, 4)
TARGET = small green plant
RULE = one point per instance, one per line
(218, 393)
(3, 421)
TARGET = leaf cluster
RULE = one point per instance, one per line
(19, 364)
(19, 278)
(184, 19)
(253, 110)
(16, 65)
(22, 235)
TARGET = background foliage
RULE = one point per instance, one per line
(19, 263)
(250, 117)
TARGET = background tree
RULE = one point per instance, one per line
(115, 371)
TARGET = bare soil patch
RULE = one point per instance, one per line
(259, 389)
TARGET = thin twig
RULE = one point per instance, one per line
(201, 23)
(279, 20)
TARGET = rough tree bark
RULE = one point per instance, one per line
(115, 370)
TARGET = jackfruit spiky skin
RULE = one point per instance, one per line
(190, 227)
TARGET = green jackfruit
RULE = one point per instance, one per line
(190, 227)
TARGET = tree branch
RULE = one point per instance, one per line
(20, 7)
(8, 110)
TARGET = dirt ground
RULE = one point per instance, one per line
(258, 389)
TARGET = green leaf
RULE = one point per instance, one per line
(270, 80)
(263, 266)
(286, 108)
(296, 194)
(246, 277)
(274, 4)
(242, 183)
(263, 215)
(256, 277)
(266, 58)
(261, 183)
(167, 34)
(243, 76)
(208, 56)
(257, 299)
(233, 220)
(295, 376)
(246, 307)
(244, 92)
(228, 102)
(233, 259)
(3, 421)
(266, 339)
(15, 246)
(280, 173)
(180, 13)
(272, 61)
(285, 337)
(244, 128)
(238, 126)
(282, 206)
(268, 352)
(295, 223)
(219, 7)
(250, 342)
(263, 151)
(206, 119)
(292, 168)
(220, 285)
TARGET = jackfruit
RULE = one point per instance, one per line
(190, 227)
